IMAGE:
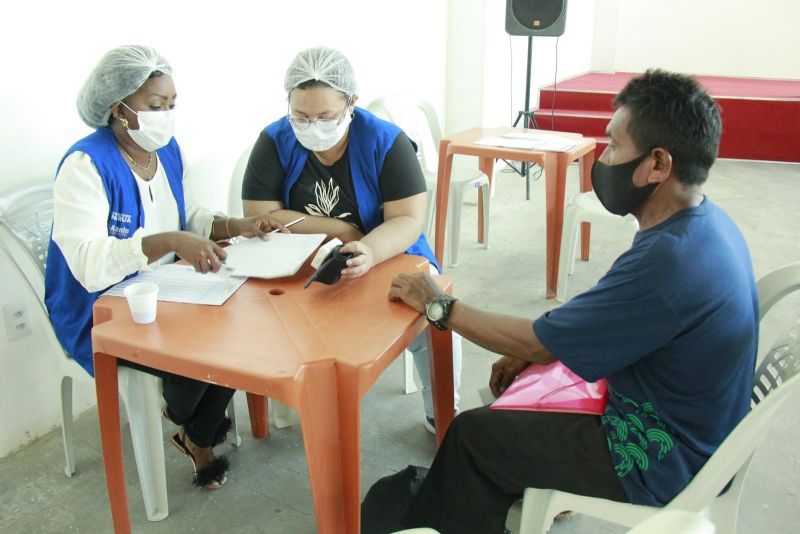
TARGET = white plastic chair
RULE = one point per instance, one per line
(418, 120)
(26, 219)
(776, 382)
(675, 522)
(584, 207)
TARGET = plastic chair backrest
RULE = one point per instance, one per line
(26, 215)
(235, 187)
(783, 360)
(418, 120)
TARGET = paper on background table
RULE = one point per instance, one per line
(180, 283)
(531, 141)
(282, 255)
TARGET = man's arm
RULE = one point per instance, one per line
(513, 337)
(503, 334)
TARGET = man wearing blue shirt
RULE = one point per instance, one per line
(672, 327)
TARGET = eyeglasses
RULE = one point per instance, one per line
(323, 125)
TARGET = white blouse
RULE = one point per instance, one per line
(80, 222)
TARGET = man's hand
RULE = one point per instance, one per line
(504, 371)
(201, 253)
(362, 261)
(414, 289)
(256, 226)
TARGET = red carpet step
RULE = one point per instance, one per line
(760, 117)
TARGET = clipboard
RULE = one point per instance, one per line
(282, 255)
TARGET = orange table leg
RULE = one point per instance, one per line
(259, 416)
(585, 163)
(319, 418)
(350, 439)
(442, 196)
(486, 165)
(555, 174)
(105, 369)
(442, 379)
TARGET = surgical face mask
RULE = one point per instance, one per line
(319, 139)
(156, 128)
(613, 185)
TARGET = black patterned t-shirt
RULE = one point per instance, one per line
(328, 191)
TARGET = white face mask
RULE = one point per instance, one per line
(156, 128)
(318, 141)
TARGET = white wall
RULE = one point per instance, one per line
(229, 60)
(713, 37)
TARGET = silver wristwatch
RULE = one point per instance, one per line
(437, 310)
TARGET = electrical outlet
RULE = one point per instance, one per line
(17, 320)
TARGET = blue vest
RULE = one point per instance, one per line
(370, 140)
(68, 302)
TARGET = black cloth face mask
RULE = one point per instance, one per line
(613, 185)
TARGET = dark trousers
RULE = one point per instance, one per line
(489, 457)
(198, 406)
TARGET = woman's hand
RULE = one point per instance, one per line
(362, 259)
(256, 226)
(504, 371)
(203, 254)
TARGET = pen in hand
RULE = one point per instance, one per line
(287, 225)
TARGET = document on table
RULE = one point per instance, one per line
(532, 141)
(180, 283)
(282, 255)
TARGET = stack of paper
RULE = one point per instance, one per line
(282, 255)
(180, 283)
(532, 141)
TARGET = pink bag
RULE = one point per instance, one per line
(553, 388)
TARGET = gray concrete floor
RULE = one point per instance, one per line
(268, 488)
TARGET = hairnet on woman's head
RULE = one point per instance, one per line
(324, 65)
(120, 73)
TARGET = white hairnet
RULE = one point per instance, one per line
(120, 73)
(322, 64)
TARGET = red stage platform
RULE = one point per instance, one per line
(760, 117)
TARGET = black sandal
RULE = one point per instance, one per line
(219, 436)
(212, 476)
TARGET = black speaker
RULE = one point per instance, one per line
(536, 17)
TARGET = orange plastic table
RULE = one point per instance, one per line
(317, 350)
(555, 172)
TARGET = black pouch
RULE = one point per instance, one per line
(388, 499)
(331, 269)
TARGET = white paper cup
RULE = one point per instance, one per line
(142, 300)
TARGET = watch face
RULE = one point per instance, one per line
(435, 311)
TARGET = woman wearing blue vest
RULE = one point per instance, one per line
(352, 175)
(121, 205)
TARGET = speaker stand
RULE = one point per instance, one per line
(530, 122)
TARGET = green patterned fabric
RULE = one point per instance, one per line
(638, 437)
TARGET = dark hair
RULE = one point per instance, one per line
(672, 111)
